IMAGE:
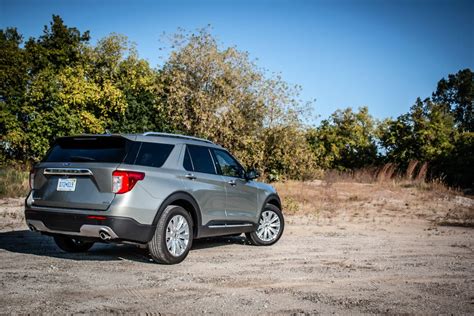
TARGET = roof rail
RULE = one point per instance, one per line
(177, 136)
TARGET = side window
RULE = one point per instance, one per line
(153, 154)
(228, 165)
(201, 159)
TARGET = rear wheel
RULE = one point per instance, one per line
(173, 237)
(70, 244)
(270, 227)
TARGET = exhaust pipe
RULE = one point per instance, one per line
(104, 235)
(32, 228)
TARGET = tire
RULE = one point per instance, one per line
(169, 244)
(70, 244)
(268, 222)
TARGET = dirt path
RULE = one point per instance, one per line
(374, 265)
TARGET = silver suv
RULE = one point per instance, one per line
(155, 189)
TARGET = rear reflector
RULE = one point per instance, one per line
(124, 181)
(32, 178)
(96, 217)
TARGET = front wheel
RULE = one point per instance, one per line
(173, 237)
(70, 244)
(270, 227)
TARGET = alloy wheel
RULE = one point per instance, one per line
(269, 226)
(177, 235)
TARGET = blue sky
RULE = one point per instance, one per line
(382, 54)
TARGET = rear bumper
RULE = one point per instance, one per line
(115, 228)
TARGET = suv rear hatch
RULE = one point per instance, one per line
(77, 172)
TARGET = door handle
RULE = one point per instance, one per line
(232, 182)
(190, 176)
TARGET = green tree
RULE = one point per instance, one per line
(37, 92)
(424, 134)
(457, 94)
(59, 85)
(116, 61)
(457, 168)
(13, 82)
(65, 103)
(345, 141)
(221, 95)
(13, 66)
(59, 46)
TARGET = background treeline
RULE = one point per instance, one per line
(60, 84)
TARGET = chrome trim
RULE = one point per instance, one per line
(230, 225)
(67, 171)
(85, 230)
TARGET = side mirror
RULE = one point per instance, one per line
(251, 174)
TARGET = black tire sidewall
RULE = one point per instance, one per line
(163, 255)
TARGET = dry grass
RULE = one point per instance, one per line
(415, 172)
(355, 201)
(13, 182)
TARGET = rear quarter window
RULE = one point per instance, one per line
(153, 154)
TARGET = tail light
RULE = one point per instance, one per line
(32, 179)
(124, 181)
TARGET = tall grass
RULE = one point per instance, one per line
(416, 173)
(13, 182)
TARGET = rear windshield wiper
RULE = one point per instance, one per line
(81, 158)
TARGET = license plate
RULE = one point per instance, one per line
(66, 185)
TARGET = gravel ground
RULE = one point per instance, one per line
(373, 263)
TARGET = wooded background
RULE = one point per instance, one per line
(60, 84)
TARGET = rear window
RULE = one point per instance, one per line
(153, 154)
(88, 149)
